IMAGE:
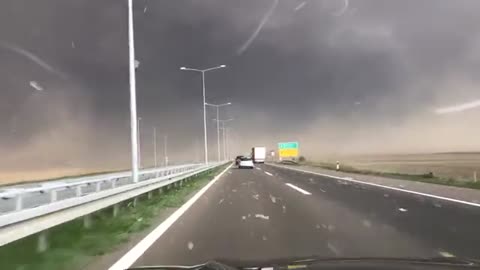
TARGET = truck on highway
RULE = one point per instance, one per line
(259, 154)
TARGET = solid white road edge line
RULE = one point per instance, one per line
(382, 186)
(267, 173)
(298, 189)
(133, 254)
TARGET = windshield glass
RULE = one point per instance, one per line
(161, 132)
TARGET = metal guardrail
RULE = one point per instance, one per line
(86, 197)
(50, 192)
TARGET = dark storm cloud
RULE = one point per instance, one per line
(310, 71)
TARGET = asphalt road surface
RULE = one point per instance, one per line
(270, 212)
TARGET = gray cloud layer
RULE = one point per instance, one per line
(365, 81)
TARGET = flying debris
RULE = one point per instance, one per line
(262, 216)
(36, 86)
(459, 107)
(146, 7)
(258, 29)
(32, 57)
(300, 6)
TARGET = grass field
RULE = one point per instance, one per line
(71, 246)
(457, 169)
(460, 166)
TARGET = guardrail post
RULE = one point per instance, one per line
(18, 202)
(149, 195)
(116, 209)
(160, 190)
(114, 183)
(98, 186)
(87, 221)
(78, 191)
(53, 195)
(42, 243)
(135, 201)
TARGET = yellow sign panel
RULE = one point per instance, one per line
(289, 152)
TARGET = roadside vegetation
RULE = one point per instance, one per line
(427, 177)
(71, 246)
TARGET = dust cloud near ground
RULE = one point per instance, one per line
(54, 134)
(458, 166)
(446, 145)
(417, 135)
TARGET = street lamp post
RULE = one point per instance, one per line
(155, 146)
(227, 146)
(224, 141)
(204, 105)
(165, 153)
(133, 94)
(223, 134)
(139, 145)
(217, 106)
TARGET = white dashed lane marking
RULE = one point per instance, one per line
(298, 189)
(446, 254)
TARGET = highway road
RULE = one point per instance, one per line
(272, 212)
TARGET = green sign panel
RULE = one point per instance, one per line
(288, 145)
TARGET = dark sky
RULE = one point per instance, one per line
(361, 78)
